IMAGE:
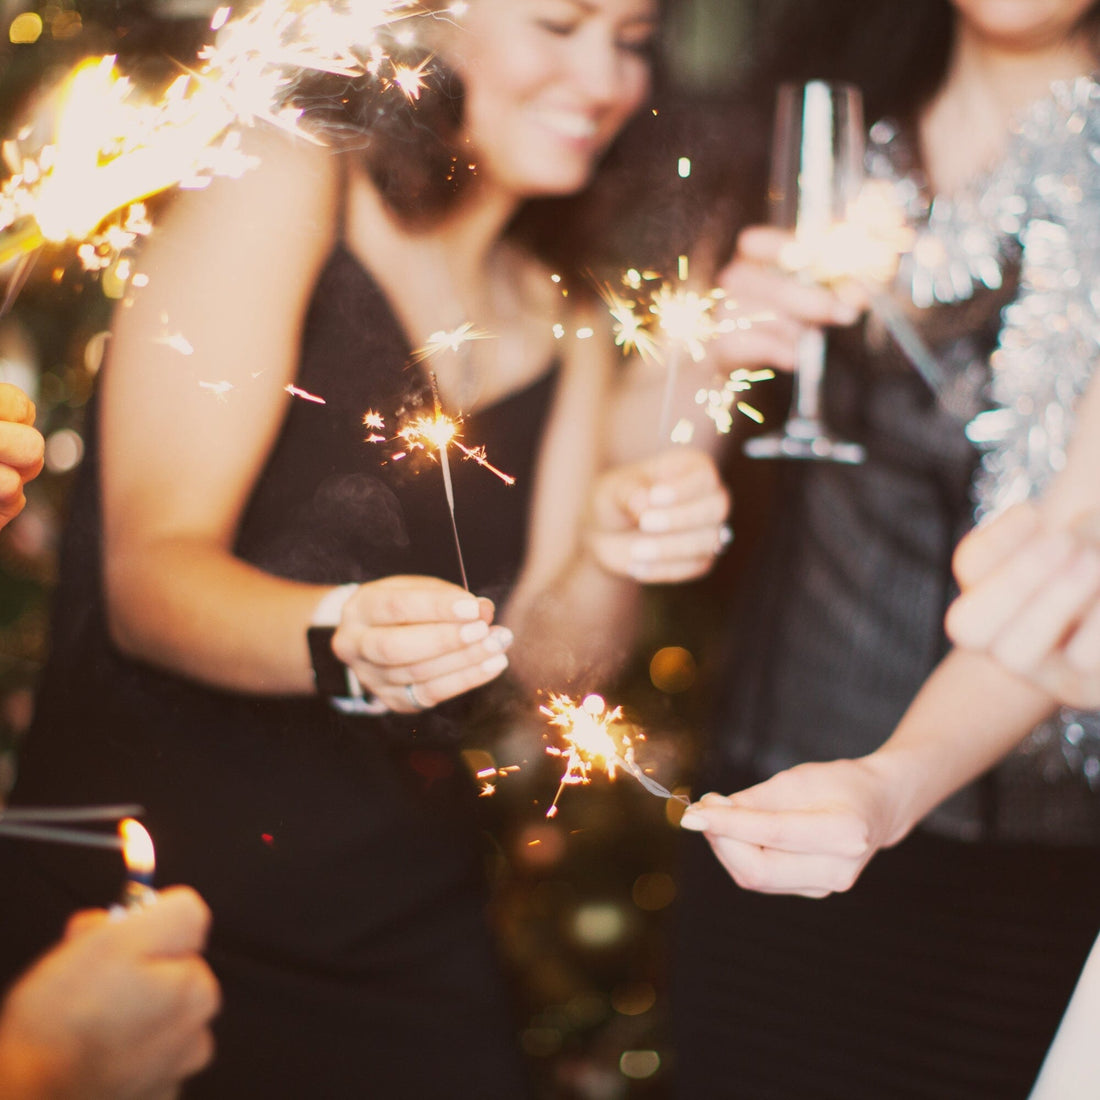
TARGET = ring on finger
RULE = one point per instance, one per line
(725, 537)
(410, 692)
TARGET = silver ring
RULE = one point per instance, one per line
(410, 691)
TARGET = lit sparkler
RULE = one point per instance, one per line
(437, 433)
(662, 322)
(112, 145)
(594, 739)
(453, 340)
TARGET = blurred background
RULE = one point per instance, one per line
(584, 900)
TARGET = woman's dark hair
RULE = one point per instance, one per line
(413, 152)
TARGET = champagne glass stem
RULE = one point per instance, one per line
(809, 372)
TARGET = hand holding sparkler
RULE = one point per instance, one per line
(21, 450)
(118, 1008)
(662, 520)
(415, 641)
(809, 830)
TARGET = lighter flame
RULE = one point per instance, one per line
(137, 848)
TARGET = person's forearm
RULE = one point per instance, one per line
(578, 632)
(970, 713)
(192, 608)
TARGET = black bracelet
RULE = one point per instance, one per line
(330, 674)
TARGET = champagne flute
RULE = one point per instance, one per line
(816, 176)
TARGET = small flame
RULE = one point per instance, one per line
(137, 849)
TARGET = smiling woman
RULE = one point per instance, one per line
(228, 561)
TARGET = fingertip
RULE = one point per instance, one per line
(693, 820)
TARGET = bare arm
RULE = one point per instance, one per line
(232, 271)
(812, 829)
(602, 527)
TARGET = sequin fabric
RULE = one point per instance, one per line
(1040, 208)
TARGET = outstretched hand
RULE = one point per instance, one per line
(21, 450)
(809, 830)
(1031, 600)
(415, 641)
(661, 520)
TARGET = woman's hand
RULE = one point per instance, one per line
(21, 450)
(810, 830)
(763, 285)
(661, 520)
(415, 641)
(1031, 600)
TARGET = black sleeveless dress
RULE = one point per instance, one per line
(341, 856)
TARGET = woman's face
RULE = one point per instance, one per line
(549, 83)
(1023, 24)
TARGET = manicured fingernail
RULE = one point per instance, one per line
(474, 632)
(493, 665)
(694, 821)
(643, 550)
(661, 496)
(499, 640)
(845, 314)
(466, 609)
(653, 522)
(712, 799)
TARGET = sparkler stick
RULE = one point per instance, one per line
(59, 835)
(448, 488)
(51, 823)
(586, 728)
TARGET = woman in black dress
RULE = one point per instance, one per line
(232, 502)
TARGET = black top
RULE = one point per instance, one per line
(340, 855)
(841, 620)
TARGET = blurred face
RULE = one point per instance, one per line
(549, 83)
(1023, 24)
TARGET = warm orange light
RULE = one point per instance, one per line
(137, 850)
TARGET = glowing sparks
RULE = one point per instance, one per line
(594, 738)
(449, 340)
(436, 434)
(305, 395)
(410, 78)
(113, 145)
(719, 403)
(177, 342)
(431, 433)
(662, 321)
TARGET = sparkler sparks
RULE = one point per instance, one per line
(305, 395)
(449, 340)
(436, 434)
(662, 322)
(594, 738)
(113, 145)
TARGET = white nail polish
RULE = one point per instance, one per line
(493, 665)
(653, 522)
(466, 609)
(474, 632)
(499, 640)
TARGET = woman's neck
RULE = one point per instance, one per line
(963, 130)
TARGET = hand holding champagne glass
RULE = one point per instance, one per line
(816, 177)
